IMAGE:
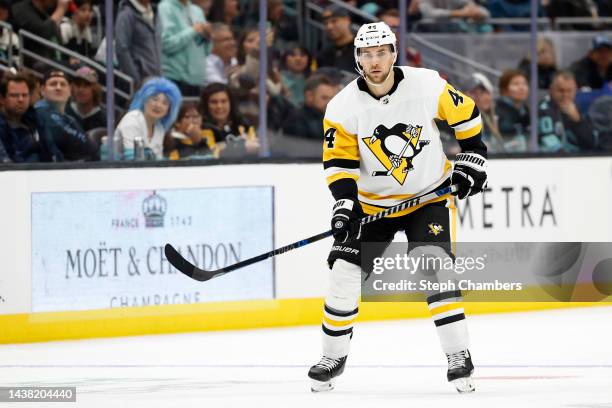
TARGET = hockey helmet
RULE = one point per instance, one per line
(372, 35)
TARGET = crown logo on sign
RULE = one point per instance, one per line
(154, 209)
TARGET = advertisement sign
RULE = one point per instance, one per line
(99, 250)
(539, 200)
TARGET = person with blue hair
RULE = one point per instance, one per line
(152, 113)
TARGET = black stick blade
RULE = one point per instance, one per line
(179, 262)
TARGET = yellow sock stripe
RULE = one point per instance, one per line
(445, 308)
(339, 323)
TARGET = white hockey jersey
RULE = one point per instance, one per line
(391, 145)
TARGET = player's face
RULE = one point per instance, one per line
(376, 62)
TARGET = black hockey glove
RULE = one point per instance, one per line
(470, 173)
(345, 222)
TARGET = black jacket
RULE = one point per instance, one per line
(27, 141)
(26, 16)
(587, 74)
(304, 122)
(342, 58)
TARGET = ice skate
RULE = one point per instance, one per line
(460, 369)
(324, 372)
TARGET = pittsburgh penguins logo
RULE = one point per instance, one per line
(396, 148)
(435, 228)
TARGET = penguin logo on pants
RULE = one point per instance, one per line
(396, 149)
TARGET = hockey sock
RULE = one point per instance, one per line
(340, 311)
(446, 309)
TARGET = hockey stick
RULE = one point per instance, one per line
(186, 267)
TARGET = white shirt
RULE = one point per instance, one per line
(133, 125)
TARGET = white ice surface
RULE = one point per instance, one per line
(560, 358)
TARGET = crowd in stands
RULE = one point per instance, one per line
(195, 69)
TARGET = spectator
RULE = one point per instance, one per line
(339, 53)
(188, 139)
(86, 100)
(307, 122)
(4, 157)
(512, 111)
(233, 136)
(480, 89)
(185, 44)
(34, 85)
(243, 80)
(31, 15)
(76, 31)
(512, 9)
(600, 114)
(8, 39)
(152, 113)
(547, 63)
(391, 18)
(223, 56)
(138, 40)
(573, 8)
(595, 69)
(466, 12)
(65, 131)
(23, 137)
(224, 11)
(295, 68)
(561, 126)
(391, 15)
(285, 28)
(205, 5)
(604, 8)
(584, 99)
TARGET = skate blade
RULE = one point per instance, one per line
(321, 386)
(464, 385)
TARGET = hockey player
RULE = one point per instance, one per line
(381, 147)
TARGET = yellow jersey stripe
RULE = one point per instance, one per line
(341, 175)
(373, 196)
(466, 134)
